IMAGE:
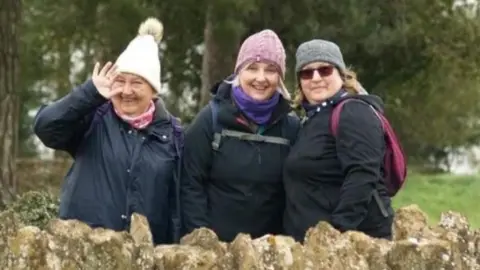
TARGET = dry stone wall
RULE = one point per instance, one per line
(452, 244)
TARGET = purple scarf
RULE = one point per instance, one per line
(257, 111)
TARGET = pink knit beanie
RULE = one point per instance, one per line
(264, 45)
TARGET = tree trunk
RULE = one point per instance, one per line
(207, 58)
(221, 41)
(9, 105)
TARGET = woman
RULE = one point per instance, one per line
(122, 140)
(335, 179)
(235, 147)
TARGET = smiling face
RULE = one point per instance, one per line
(319, 81)
(259, 80)
(135, 97)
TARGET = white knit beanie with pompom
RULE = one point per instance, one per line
(141, 55)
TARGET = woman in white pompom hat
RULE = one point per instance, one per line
(124, 142)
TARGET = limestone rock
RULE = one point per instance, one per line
(267, 252)
(206, 239)
(140, 230)
(183, 257)
(374, 251)
(326, 248)
(279, 252)
(70, 244)
(409, 221)
(9, 225)
(243, 252)
(427, 254)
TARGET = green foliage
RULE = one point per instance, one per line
(36, 208)
(420, 56)
(438, 193)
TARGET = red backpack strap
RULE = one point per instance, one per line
(335, 117)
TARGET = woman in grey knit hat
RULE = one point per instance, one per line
(335, 179)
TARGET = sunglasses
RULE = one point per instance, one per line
(307, 74)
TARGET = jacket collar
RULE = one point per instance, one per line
(161, 112)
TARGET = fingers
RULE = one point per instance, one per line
(95, 69)
(115, 91)
(105, 69)
(113, 76)
(112, 73)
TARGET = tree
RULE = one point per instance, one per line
(9, 102)
(420, 56)
(223, 28)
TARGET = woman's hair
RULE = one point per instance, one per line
(350, 84)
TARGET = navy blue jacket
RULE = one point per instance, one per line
(117, 170)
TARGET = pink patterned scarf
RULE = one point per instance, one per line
(141, 121)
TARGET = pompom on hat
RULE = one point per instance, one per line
(141, 55)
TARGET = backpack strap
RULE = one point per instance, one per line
(178, 141)
(214, 111)
(219, 133)
(252, 137)
(291, 127)
(334, 122)
(335, 118)
(215, 127)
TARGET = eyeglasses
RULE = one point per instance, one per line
(307, 74)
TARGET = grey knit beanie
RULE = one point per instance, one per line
(319, 50)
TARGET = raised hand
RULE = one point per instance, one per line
(104, 79)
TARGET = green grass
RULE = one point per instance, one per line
(435, 194)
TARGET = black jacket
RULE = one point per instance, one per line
(117, 170)
(237, 188)
(333, 179)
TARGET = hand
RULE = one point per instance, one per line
(104, 79)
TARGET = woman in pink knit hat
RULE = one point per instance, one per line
(235, 147)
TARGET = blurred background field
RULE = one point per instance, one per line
(437, 193)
